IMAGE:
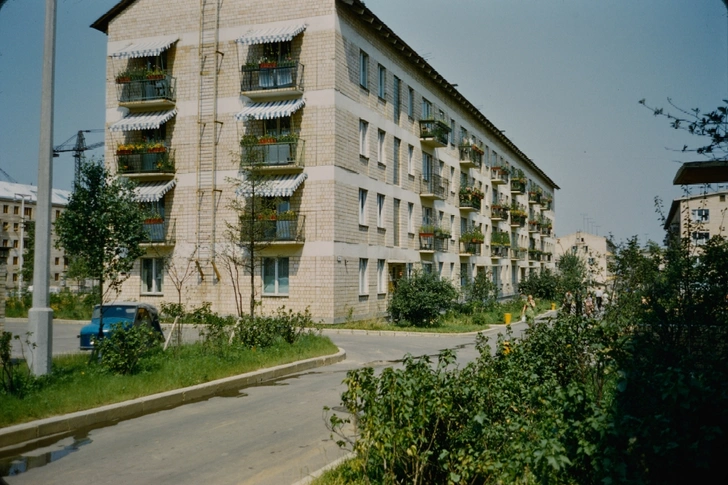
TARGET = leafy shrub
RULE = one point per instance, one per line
(123, 351)
(263, 331)
(544, 285)
(480, 294)
(12, 378)
(420, 299)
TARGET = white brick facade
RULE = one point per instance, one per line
(323, 270)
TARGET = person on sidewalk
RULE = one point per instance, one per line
(529, 310)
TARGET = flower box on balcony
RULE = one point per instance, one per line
(268, 65)
(153, 220)
(266, 140)
(123, 79)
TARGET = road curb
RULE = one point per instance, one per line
(21, 434)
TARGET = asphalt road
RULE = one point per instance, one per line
(269, 434)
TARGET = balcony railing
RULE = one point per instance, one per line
(267, 77)
(434, 133)
(275, 230)
(273, 155)
(470, 248)
(519, 254)
(497, 251)
(534, 197)
(145, 163)
(163, 88)
(471, 156)
(160, 231)
(499, 175)
(498, 213)
(469, 202)
(433, 187)
(518, 186)
(518, 218)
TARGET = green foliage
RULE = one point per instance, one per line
(102, 226)
(65, 305)
(572, 273)
(639, 396)
(544, 285)
(420, 299)
(124, 351)
(480, 293)
(263, 331)
(15, 376)
(29, 252)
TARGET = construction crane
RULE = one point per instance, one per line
(77, 145)
(7, 176)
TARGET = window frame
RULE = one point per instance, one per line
(364, 69)
(277, 276)
(381, 200)
(381, 141)
(363, 193)
(381, 277)
(382, 82)
(363, 277)
(364, 139)
(157, 276)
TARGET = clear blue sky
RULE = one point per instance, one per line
(562, 78)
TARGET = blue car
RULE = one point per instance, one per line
(125, 314)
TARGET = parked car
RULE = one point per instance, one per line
(126, 314)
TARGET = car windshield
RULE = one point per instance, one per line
(116, 311)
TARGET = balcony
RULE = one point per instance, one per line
(518, 186)
(434, 133)
(433, 187)
(151, 91)
(267, 80)
(468, 248)
(499, 175)
(534, 254)
(471, 156)
(498, 212)
(534, 226)
(498, 252)
(534, 197)
(145, 163)
(519, 254)
(518, 217)
(546, 229)
(273, 155)
(160, 232)
(433, 238)
(470, 198)
(280, 229)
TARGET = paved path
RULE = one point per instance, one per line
(269, 434)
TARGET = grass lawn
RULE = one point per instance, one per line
(451, 323)
(76, 384)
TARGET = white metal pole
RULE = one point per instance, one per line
(40, 315)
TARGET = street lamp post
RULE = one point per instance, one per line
(22, 237)
(40, 316)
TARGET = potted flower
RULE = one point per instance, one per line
(441, 233)
(288, 215)
(122, 149)
(427, 230)
(155, 74)
(266, 140)
(265, 63)
(473, 235)
(287, 62)
(268, 215)
(154, 218)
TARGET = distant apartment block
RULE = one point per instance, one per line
(697, 218)
(17, 207)
(381, 167)
(595, 251)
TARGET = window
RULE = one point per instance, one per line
(395, 161)
(57, 261)
(380, 210)
(6, 226)
(15, 244)
(700, 237)
(395, 98)
(152, 275)
(277, 126)
(426, 166)
(362, 207)
(381, 277)
(411, 103)
(427, 218)
(452, 226)
(410, 159)
(16, 210)
(382, 91)
(5, 243)
(15, 276)
(363, 287)
(58, 214)
(410, 219)
(426, 110)
(722, 198)
(15, 260)
(56, 277)
(275, 276)
(5, 209)
(463, 274)
(28, 212)
(380, 146)
(452, 131)
(700, 215)
(395, 224)
(439, 269)
(16, 226)
(364, 69)
(363, 141)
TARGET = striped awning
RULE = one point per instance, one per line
(153, 191)
(269, 110)
(143, 121)
(275, 34)
(145, 48)
(274, 186)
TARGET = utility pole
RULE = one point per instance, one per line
(40, 316)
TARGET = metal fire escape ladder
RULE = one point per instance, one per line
(209, 131)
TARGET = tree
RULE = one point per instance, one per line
(28, 252)
(420, 299)
(712, 125)
(102, 228)
(250, 232)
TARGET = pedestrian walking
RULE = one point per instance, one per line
(598, 296)
(568, 302)
(529, 310)
(588, 305)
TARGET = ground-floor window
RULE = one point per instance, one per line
(152, 275)
(275, 276)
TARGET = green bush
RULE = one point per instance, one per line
(543, 285)
(124, 350)
(421, 299)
